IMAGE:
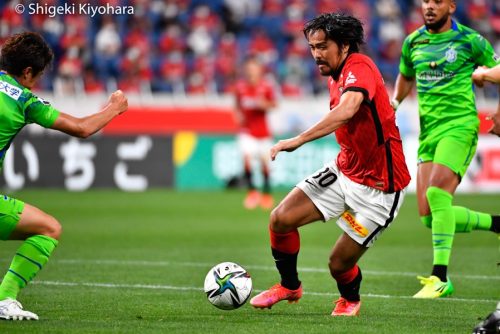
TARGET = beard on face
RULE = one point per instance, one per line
(436, 25)
(323, 72)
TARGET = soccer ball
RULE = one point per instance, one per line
(228, 286)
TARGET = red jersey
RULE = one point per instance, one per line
(248, 98)
(371, 151)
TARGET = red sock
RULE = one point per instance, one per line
(285, 242)
(349, 283)
(348, 276)
(285, 249)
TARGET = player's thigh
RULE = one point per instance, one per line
(249, 145)
(317, 197)
(453, 156)
(370, 211)
(34, 221)
(325, 191)
(295, 210)
(370, 204)
(10, 214)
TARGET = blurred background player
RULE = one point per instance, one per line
(363, 188)
(255, 97)
(442, 56)
(490, 325)
(23, 60)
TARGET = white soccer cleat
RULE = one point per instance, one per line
(11, 309)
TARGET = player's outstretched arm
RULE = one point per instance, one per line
(348, 106)
(480, 75)
(483, 73)
(87, 126)
(401, 90)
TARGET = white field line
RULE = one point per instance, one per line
(252, 267)
(192, 288)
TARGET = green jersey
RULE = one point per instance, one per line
(18, 107)
(442, 65)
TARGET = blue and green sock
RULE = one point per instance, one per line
(30, 257)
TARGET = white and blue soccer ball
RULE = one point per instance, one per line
(228, 286)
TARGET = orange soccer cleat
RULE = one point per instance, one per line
(252, 200)
(275, 294)
(266, 202)
(343, 307)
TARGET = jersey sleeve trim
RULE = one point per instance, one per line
(373, 111)
(358, 89)
(390, 168)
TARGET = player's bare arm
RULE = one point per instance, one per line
(87, 126)
(480, 75)
(401, 90)
(483, 73)
(338, 116)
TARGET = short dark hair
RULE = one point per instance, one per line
(26, 49)
(340, 28)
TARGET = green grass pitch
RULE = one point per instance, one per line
(136, 262)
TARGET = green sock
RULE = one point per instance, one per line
(29, 259)
(443, 224)
(427, 221)
(467, 220)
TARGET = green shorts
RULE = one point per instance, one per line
(10, 213)
(453, 149)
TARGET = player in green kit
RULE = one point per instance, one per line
(23, 59)
(441, 56)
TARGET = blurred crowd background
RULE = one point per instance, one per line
(196, 46)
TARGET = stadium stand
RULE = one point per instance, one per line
(196, 47)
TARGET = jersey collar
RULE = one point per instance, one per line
(336, 75)
(454, 26)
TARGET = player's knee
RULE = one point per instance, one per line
(280, 220)
(339, 263)
(52, 228)
(426, 221)
(336, 266)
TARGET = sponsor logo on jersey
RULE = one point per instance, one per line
(355, 225)
(451, 55)
(350, 79)
(10, 90)
(435, 75)
(425, 41)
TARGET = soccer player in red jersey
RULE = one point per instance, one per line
(491, 323)
(363, 188)
(254, 98)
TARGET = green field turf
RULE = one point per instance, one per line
(136, 262)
